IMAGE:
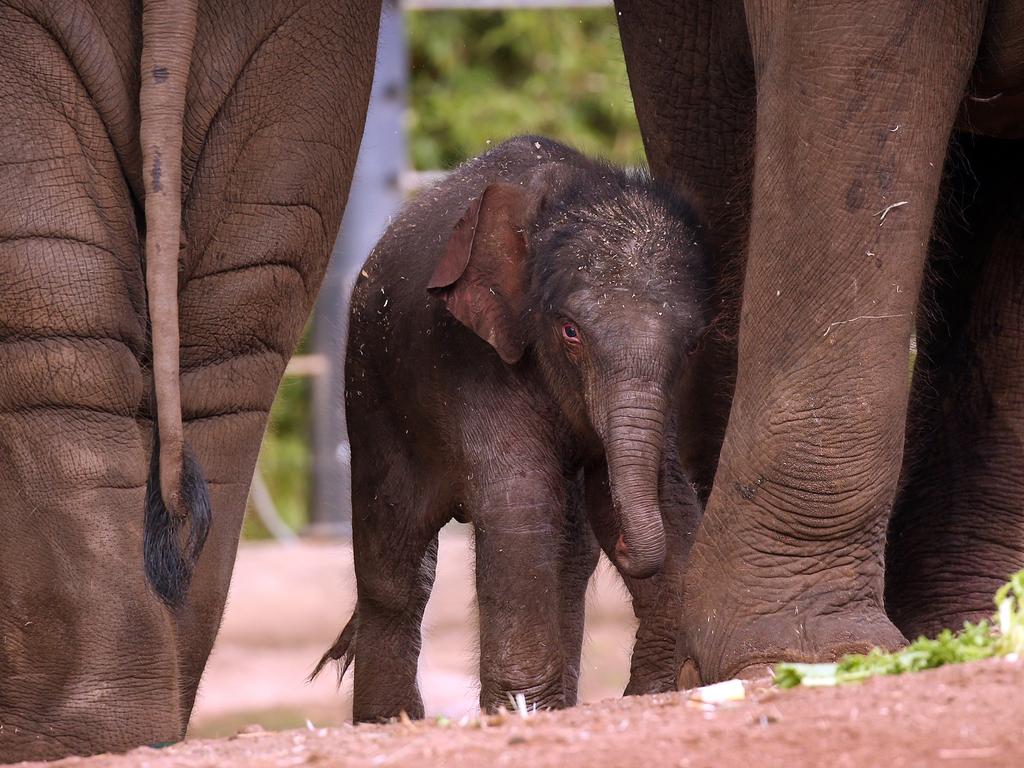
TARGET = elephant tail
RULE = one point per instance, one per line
(343, 650)
(177, 517)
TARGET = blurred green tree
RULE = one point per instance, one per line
(479, 77)
(285, 457)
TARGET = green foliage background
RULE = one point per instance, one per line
(480, 76)
(477, 78)
(286, 461)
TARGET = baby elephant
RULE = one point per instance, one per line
(515, 342)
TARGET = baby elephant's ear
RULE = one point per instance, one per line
(482, 274)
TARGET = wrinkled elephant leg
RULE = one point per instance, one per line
(692, 80)
(87, 656)
(852, 134)
(274, 115)
(518, 520)
(657, 601)
(578, 559)
(271, 136)
(395, 551)
(395, 567)
(398, 508)
(958, 527)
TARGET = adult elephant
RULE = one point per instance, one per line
(816, 134)
(103, 233)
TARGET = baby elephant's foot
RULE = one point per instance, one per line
(655, 664)
(513, 695)
(384, 706)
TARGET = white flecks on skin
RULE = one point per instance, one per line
(885, 211)
(837, 323)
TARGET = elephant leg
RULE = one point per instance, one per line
(518, 519)
(855, 110)
(578, 559)
(958, 528)
(692, 81)
(87, 656)
(274, 116)
(395, 549)
(657, 601)
(268, 151)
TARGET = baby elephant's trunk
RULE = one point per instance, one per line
(634, 439)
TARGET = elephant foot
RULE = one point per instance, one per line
(689, 675)
(641, 685)
(732, 646)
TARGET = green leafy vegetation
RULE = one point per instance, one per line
(286, 457)
(1002, 636)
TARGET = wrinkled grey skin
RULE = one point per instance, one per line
(91, 659)
(816, 135)
(468, 398)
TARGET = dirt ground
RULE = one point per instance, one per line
(287, 603)
(957, 716)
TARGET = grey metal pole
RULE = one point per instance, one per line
(374, 197)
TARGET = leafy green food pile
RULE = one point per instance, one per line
(1003, 636)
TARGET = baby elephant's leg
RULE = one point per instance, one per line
(579, 556)
(395, 552)
(518, 518)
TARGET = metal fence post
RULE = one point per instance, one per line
(374, 197)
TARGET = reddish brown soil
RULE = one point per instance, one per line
(968, 715)
(287, 604)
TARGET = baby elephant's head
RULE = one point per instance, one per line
(600, 278)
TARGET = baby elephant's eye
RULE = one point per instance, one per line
(570, 334)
